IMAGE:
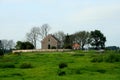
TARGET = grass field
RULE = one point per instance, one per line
(42, 66)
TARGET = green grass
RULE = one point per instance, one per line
(46, 66)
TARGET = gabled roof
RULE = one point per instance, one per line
(52, 37)
(55, 38)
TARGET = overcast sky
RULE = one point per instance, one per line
(17, 17)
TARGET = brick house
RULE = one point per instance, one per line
(76, 46)
(50, 42)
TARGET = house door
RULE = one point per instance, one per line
(49, 46)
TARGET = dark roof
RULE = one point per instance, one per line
(55, 38)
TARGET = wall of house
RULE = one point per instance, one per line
(49, 42)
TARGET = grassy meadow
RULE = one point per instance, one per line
(74, 65)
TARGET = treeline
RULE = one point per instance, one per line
(24, 45)
(6, 46)
(94, 39)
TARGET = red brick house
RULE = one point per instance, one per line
(76, 46)
(50, 42)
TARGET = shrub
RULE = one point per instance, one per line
(53, 47)
(62, 65)
(101, 70)
(97, 59)
(72, 71)
(25, 65)
(17, 53)
(78, 54)
(77, 71)
(17, 74)
(61, 73)
(7, 65)
(69, 71)
(1, 53)
(112, 58)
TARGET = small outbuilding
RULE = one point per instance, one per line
(50, 42)
(76, 46)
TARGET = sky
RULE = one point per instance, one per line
(17, 17)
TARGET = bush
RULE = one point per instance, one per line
(101, 70)
(77, 71)
(7, 65)
(25, 65)
(62, 65)
(112, 58)
(1, 53)
(97, 59)
(73, 71)
(78, 54)
(17, 74)
(17, 53)
(53, 47)
(69, 71)
(61, 73)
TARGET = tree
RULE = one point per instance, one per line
(81, 37)
(37, 33)
(67, 42)
(33, 35)
(98, 39)
(11, 44)
(24, 45)
(112, 48)
(0, 44)
(7, 44)
(1, 50)
(4, 44)
(19, 45)
(61, 37)
(44, 29)
(28, 45)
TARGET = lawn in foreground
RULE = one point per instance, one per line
(45, 66)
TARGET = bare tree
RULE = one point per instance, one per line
(37, 33)
(11, 44)
(44, 29)
(4, 44)
(0, 44)
(82, 37)
(33, 35)
(7, 44)
(60, 36)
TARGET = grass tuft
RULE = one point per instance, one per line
(62, 65)
(7, 65)
(78, 54)
(101, 70)
(26, 65)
